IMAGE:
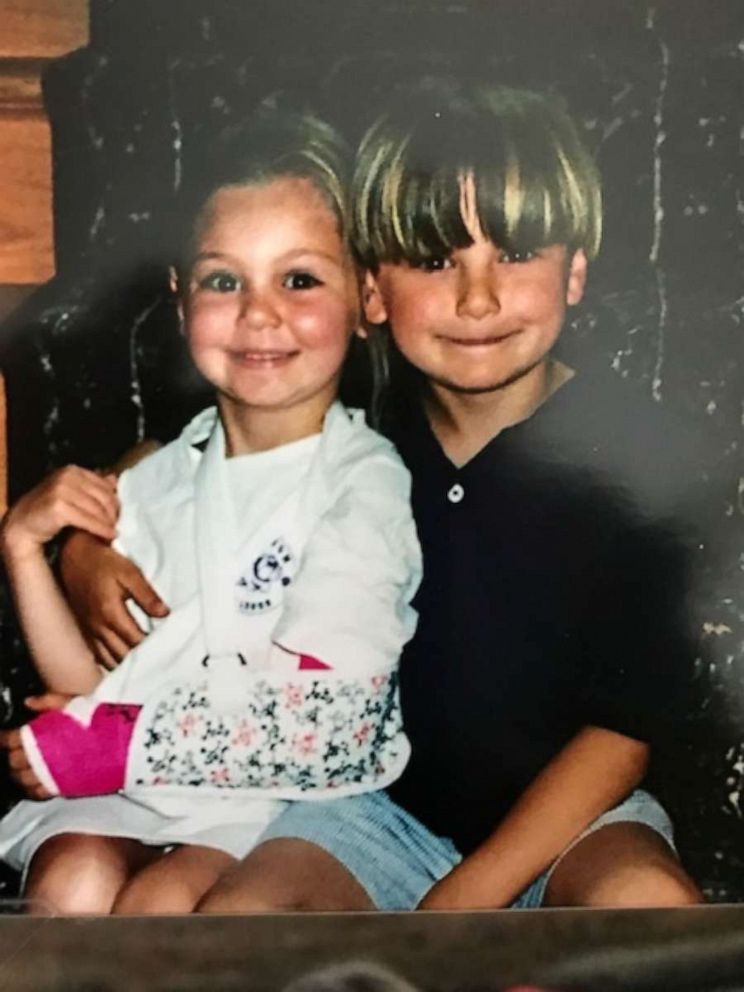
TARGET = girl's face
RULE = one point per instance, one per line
(272, 298)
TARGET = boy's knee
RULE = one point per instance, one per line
(648, 886)
(236, 898)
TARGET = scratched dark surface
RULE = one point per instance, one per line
(92, 360)
(688, 950)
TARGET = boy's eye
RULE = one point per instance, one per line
(517, 255)
(435, 263)
(300, 280)
(219, 282)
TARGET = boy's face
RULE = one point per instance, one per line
(477, 320)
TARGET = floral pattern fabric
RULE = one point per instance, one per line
(288, 736)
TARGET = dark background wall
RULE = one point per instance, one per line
(92, 360)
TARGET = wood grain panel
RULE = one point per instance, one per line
(31, 33)
(42, 28)
(26, 236)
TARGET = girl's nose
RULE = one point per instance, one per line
(258, 310)
(478, 293)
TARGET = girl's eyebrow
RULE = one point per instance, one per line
(205, 256)
(294, 253)
(297, 252)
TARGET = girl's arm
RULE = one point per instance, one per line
(349, 607)
(593, 772)
(69, 497)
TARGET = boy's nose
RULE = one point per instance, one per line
(478, 295)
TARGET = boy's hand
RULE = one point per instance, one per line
(19, 767)
(98, 581)
(69, 497)
(467, 886)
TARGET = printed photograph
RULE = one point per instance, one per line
(374, 412)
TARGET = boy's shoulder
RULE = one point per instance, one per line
(616, 430)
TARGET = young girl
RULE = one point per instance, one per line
(278, 529)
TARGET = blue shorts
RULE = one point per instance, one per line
(397, 860)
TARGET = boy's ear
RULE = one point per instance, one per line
(372, 302)
(576, 278)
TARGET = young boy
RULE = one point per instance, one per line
(550, 635)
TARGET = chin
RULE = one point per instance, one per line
(490, 383)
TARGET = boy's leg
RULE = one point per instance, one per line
(175, 882)
(358, 853)
(621, 865)
(286, 875)
(77, 874)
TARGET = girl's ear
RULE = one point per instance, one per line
(175, 289)
(576, 278)
(372, 302)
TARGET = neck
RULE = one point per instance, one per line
(465, 422)
(250, 430)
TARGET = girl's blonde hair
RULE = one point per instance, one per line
(535, 181)
(269, 144)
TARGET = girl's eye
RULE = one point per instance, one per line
(435, 263)
(220, 282)
(517, 255)
(300, 280)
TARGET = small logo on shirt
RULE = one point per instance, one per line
(261, 587)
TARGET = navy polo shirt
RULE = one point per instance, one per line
(554, 597)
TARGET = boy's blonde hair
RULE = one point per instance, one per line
(535, 181)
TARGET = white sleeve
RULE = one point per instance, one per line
(349, 606)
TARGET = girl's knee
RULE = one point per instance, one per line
(174, 882)
(72, 874)
(145, 897)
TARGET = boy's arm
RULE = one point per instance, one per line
(71, 496)
(98, 581)
(593, 772)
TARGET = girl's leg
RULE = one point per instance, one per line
(175, 882)
(622, 865)
(286, 875)
(77, 874)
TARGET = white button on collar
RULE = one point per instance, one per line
(456, 493)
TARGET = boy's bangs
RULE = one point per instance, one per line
(535, 184)
(526, 204)
(420, 215)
